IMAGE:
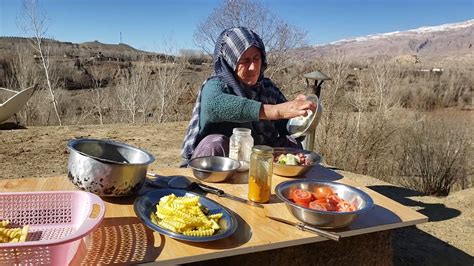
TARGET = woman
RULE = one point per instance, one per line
(238, 95)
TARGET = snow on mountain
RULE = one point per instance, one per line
(421, 30)
(454, 41)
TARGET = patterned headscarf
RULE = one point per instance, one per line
(230, 46)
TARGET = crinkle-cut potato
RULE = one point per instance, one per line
(185, 215)
(12, 235)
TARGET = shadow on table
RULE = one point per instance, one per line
(323, 173)
(242, 235)
(434, 211)
(412, 246)
(123, 241)
(127, 200)
(239, 178)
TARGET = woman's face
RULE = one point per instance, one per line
(248, 67)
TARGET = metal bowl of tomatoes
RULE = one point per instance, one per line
(292, 162)
(323, 204)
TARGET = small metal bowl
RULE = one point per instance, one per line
(293, 170)
(213, 168)
(301, 125)
(325, 219)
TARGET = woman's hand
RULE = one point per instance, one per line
(287, 110)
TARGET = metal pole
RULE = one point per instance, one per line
(317, 88)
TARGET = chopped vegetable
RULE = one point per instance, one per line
(302, 197)
(294, 159)
(322, 199)
(322, 192)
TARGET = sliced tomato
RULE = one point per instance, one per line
(290, 195)
(322, 192)
(302, 197)
(345, 206)
(334, 199)
(321, 200)
(331, 206)
(317, 206)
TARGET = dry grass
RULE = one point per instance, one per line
(433, 156)
(428, 153)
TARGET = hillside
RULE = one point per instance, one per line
(70, 58)
(8, 47)
(452, 42)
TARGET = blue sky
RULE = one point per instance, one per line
(154, 24)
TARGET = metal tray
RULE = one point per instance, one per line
(146, 204)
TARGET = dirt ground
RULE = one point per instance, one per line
(447, 239)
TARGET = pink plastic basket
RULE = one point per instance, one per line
(58, 220)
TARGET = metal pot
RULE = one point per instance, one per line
(107, 168)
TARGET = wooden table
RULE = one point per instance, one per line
(123, 238)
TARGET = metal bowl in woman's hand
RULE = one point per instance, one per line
(297, 168)
(302, 125)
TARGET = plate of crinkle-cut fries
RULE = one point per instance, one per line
(184, 215)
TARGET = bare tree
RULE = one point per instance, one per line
(277, 35)
(98, 96)
(168, 86)
(24, 75)
(382, 76)
(336, 67)
(196, 57)
(359, 100)
(34, 23)
(132, 90)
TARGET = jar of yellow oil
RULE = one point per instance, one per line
(260, 173)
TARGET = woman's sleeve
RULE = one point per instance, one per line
(217, 105)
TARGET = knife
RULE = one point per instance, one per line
(304, 227)
(183, 182)
(221, 193)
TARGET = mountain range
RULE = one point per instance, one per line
(453, 41)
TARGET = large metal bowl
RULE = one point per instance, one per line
(213, 168)
(107, 168)
(325, 219)
(293, 170)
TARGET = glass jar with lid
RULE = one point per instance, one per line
(260, 173)
(240, 147)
